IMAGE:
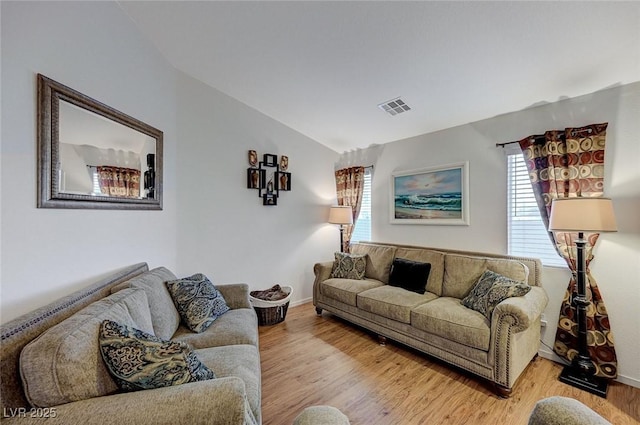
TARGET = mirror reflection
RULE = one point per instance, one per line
(100, 157)
(93, 156)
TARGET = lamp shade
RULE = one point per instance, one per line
(582, 215)
(341, 215)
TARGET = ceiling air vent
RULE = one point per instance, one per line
(394, 107)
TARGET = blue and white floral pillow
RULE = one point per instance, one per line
(199, 303)
(141, 361)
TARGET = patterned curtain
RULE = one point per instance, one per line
(120, 182)
(566, 164)
(349, 188)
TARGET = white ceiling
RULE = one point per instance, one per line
(322, 67)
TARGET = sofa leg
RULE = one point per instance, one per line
(502, 391)
(319, 311)
(382, 340)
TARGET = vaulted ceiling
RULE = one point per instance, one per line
(322, 67)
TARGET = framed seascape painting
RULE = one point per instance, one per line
(436, 195)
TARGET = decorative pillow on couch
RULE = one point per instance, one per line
(349, 266)
(410, 275)
(197, 300)
(140, 361)
(491, 289)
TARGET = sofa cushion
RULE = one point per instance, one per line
(378, 261)
(348, 266)
(140, 361)
(435, 258)
(64, 363)
(199, 303)
(449, 319)
(410, 275)
(164, 314)
(461, 272)
(346, 290)
(392, 302)
(491, 289)
(242, 361)
(237, 326)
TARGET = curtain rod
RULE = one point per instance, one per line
(533, 139)
(542, 136)
(502, 145)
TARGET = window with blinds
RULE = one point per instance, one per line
(527, 233)
(95, 179)
(362, 230)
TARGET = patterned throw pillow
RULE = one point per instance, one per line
(349, 266)
(141, 361)
(491, 289)
(197, 300)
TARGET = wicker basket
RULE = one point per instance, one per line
(271, 312)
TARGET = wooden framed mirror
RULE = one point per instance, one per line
(93, 156)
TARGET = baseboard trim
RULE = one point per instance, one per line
(550, 355)
(300, 302)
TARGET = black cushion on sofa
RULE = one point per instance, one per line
(410, 275)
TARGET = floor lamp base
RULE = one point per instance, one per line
(593, 384)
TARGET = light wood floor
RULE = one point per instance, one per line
(309, 360)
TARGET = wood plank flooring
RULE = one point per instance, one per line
(309, 360)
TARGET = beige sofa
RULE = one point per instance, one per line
(436, 322)
(51, 367)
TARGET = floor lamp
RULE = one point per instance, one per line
(342, 215)
(582, 215)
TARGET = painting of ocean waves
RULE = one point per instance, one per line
(429, 195)
(442, 202)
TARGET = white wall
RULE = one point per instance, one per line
(94, 48)
(224, 230)
(617, 256)
(210, 223)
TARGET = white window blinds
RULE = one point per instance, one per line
(527, 233)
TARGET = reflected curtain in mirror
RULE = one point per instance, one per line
(119, 182)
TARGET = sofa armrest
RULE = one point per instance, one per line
(219, 401)
(235, 294)
(515, 336)
(323, 270)
(521, 311)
